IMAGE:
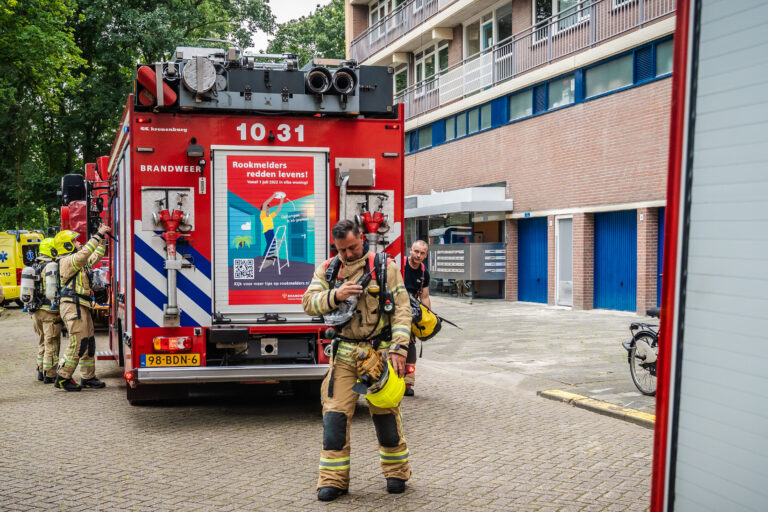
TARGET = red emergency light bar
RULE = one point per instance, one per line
(144, 120)
(172, 343)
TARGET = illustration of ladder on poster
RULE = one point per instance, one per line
(273, 251)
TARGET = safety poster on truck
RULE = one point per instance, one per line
(270, 227)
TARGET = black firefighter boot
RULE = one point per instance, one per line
(39, 375)
(329, 493)
(66, 384)
(395, 485)
(93, 383)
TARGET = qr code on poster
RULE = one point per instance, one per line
(244, 269)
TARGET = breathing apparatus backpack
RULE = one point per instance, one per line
(377, 264)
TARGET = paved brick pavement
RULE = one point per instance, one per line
(479, 436)
(577, 351)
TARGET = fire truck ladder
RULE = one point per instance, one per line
(273, 252)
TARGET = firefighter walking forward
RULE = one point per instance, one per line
(368, 326)
(74, 272)
(46, 321)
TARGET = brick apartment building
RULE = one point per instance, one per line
(536, 141)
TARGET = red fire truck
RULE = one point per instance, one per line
(227, 173)
(84, 198)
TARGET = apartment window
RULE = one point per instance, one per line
(542, 11)
(664, 58)
(614, 74)
(504, 22)
(461, 124)
(378, 11)
(450, 128)
(521, 105)
(561, 92)
(425, 137)
(485, 116)
(442, 56)
(401, 79)
(425, 70)
(570, 12)
(473, 121)
(472, 35)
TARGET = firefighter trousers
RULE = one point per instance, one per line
(48, 328)
(82, 343)
(337, 415)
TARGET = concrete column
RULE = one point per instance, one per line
(647, 254)
(510, 290)
(583, 260)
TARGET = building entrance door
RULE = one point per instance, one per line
(564, 268)
(532, 260)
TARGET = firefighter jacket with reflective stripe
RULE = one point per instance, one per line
(79, 264)
(320, 299)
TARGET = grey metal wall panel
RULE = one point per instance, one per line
(722, 447)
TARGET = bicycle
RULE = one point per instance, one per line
(642, 353)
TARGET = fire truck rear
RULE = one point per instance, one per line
(227, 174)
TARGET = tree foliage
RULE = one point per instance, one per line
(66, 69)
(321, 34)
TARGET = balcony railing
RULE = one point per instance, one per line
(395, 25)
(559, 36)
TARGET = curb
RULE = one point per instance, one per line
(615, 411)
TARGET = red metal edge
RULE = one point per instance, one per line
(669, 269)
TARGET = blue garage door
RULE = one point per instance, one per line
(616, 260)
(532, 259)
(660, 256)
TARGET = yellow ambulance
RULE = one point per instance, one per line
(18, 248)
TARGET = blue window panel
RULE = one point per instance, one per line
(578, 78)
(438, 132)
(643, 64)
(660, 256)
(532, 259)
(615, 264)
(414, 140)
(540, 100)
(499, 111)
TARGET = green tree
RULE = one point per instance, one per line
(38, 63)
(66, 69)
(321, 34)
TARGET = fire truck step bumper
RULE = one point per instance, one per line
(105, 355)
(188, 375)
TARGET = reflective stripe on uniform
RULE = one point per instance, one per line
(399, 288)
(393, 458)
(401, 329)
(321, 284)
(334, 464)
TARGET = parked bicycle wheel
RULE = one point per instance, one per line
(642, 362)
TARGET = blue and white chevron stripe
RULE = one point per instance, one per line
(193, 284)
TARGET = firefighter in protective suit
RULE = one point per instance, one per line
(368, 326)
(47, 321)
(74, 277)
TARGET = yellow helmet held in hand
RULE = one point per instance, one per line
(46, 248)
(64, 242)
(391, 392)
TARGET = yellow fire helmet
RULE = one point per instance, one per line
(46, 248)
(427, 324)
(391, 392)
(64, 241)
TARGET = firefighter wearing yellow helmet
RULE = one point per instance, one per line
(46, 319)
(369, 325)
(75, 265)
